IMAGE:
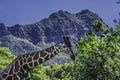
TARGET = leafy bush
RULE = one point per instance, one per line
(53, 72)
(5, 57)
(98, 58)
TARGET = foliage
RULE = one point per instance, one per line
(53, 72)
(98, 58)
(5, 57)
(99, 26)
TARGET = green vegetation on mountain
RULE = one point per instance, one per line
(97, 58)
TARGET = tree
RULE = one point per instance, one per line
(5, 57)
(98, 58)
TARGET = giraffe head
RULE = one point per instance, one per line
(70, 47)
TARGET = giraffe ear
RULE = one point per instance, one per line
(64, 38)
(67, 42)
(67, 39)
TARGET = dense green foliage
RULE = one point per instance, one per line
(54, 72)
(97, 58)
(5, 57)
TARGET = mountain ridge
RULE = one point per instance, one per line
(57, 23)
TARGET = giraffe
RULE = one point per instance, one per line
(20, 66)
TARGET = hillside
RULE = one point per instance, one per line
(17, 45)
(52, 29)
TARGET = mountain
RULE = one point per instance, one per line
(3, 30)
(52, 29)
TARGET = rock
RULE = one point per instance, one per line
(53, 28)
(3, 30)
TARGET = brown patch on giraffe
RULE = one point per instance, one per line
(25, 60)
(25, 67)
(20, 75)
(21, 70)
(9, 78)
(11, 69)
(4, 75)
(36, 56)
(27, 56)
(49, 49)
(28, 67)
(23, 56)
(29, 59)
(15, 77)
(52, 55)
(40, 60)
(30, 64)
(21, 62)
(46, 57)
(16, 66)
(31, 54)
(35, 63)
(55, 52)
(42, 53)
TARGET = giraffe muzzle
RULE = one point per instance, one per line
(72, 54)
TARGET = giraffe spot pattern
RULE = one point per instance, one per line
(9, 78)
(31, 64)
(16, 66)
(11, 69)
(40, 60)
(35, 63)
(42, 53)
(29, 59)
(36, 56)
(4, 76)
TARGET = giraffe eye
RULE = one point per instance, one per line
(67, 49)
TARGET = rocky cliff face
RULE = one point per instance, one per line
(53, 28)
(3, 30)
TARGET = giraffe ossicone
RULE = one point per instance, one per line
(18, 69)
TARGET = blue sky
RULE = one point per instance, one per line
(29, 11)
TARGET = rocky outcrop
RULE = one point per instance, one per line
(52, 29)
(3, 30)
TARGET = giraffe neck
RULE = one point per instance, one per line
(23, 63)
(36, 58)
